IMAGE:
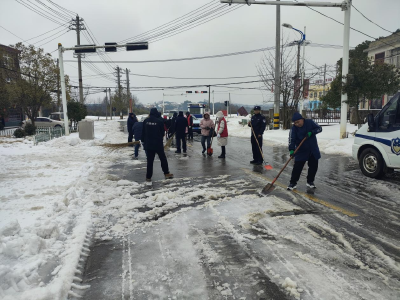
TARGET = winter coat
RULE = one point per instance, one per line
(181, 125)
(137, 129)
(153, 132)
(204, 123)
(222, 129)
(131, 120)
(310, 145)
(258, 122)
(171, 129)
(189, 119)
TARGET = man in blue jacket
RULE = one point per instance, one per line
(152, 138)
(258, 124)
(308, 152)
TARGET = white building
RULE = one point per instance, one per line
(383, 50)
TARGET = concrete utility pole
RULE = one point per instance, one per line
(323, 91)
(303, 71)
(105, 91)
(111, 111)
(209, 98)
(346, 7)
(128, 91)
(277, 91)
(63, 94)
(78, 40)
(119, 83)
(213, 104)
(58, 85)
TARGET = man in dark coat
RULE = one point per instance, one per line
(308, 152)
(152, 138)
(131, 120)
(172, 129)
(190, 125)
(181, 124)
(258, 123)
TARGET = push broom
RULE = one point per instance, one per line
(266, 166)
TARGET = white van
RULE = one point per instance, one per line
(377, 143)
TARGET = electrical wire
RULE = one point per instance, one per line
(44, 33)
(58, 13)
(46, 12)
(54, 38)
(38, 12)
(371, 20)
(63, 8)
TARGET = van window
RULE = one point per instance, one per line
(390, 118)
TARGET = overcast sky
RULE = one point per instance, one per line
(244, 28)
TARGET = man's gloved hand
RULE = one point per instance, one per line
(190, 126)
(309, 134)
(218, 135)
(208, 128)
(291, 152)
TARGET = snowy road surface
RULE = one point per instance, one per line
(77, 220)
(209, 235)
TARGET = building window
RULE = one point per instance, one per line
(394, 57)
(320, 94)
(380, 58)
(315, 94)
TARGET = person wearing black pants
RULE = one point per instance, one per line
(189, 119)
(308, 152)
(152, 138)
(131, 121)
(181, 124)
(258, 124)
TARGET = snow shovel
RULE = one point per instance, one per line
(266, 166)
(270, 186)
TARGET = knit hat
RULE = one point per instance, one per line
(296, 116)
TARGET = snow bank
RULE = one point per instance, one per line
(328, 140)
(47, 194)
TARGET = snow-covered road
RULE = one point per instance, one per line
(93, 228)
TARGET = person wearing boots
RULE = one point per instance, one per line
(180, 131)
(207, 126)
(190, 125)
(222, 133)
(258, 123)
(308, 152)
(152, 138)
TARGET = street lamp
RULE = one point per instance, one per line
(299, 43)
(105, 91)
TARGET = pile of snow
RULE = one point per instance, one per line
(47, 194)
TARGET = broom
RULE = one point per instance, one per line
(169, 142)
(266, 166)
(115, 147)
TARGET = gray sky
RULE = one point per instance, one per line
(245, 28)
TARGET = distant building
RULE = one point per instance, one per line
(384, 50)
(316, 91)
(9, 71)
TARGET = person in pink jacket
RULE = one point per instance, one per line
(207, 127)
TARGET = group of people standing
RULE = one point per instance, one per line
(154, 128)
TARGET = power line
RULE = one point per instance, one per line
(370, 19)
(54, 38)
(38, 12)
(44, 33)
(152, 30)
(63, 8)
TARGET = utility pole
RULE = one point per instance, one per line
(128, 91)
(58, 86)
(209, 98)
(277, 91)
(111, 111)
(77, 25)
(119, 83)
(213, 104)
(303, 71)
(323, 93)
(105, 91)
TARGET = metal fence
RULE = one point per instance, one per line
(44, 134)
(320, 116)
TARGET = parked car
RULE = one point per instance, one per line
(377, 143)
(196, 124)
(57, 116)
(44, 122)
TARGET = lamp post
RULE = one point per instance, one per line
(105, 91)
(299, 43)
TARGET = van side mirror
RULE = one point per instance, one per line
(371, 122)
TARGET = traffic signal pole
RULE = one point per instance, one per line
(345, 6)
(63, 89)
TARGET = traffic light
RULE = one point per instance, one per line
(77, 51)
(188, 92)
(137, 46)
(110, 49)
(226, 103)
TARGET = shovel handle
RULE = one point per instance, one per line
(288, 161)
(262, 154)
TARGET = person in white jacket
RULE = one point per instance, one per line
(222, 133)
(207, 127)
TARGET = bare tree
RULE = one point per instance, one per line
(291, 88)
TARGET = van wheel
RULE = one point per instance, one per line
(57, 126)
(371, 163)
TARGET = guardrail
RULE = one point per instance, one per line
(44, 134)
